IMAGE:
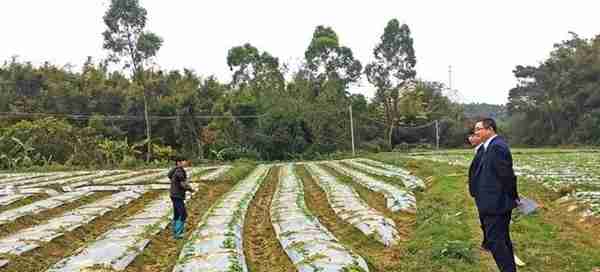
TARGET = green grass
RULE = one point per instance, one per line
(447, 234)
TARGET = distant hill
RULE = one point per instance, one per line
(474, 110)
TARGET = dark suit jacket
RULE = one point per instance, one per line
(474, 165)
(494, 183)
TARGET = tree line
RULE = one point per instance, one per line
(559, 97)
(265, 112)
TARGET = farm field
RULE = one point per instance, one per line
(344, 215)
(562, 235)
(380, 212)
(573, 173)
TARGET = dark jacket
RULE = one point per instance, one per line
(494, 183)
(474, 165)
(179, 183)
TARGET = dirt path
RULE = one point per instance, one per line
(261, 247)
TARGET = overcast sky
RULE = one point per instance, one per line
(482, 40)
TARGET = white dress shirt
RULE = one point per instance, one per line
(485, 145)
(477, 147)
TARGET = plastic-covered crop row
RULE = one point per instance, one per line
(31, 238)
(219, 172)
(96, 175)
(21, 176)
(591, 198)
(42, 205)
(396, 199)
(216, 244)
(310, 246)
(48, 178)
(347, 205)
(130, 176)
(410, 181)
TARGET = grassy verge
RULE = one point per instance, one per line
(261, 247)
(377, 256)
(448, 233)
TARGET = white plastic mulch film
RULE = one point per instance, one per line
(216, 244)
(118, 247)
(45, 178)
(348, 205)
(96, 175)
(410, 181)
(397, 199)
(130, 177)
(592, 199)
(39, 206)
(33, 237)
(309, 245)
(9, 199)
(217, 173)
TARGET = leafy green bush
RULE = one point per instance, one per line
(235, 153)
(15, 153)
(52, 138)
(460, 250)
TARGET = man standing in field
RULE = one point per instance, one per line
(179, 186)
(475, 141)
(494, 186)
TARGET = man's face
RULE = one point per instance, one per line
(183, 163)
(482, 132)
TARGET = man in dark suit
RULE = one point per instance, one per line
(475, 142)
(493, 184)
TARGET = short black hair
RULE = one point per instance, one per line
(488, 122)
(467, 139)
(177, 159)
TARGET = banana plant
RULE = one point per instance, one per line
(162, 152)
(20, 154)
(116, 151)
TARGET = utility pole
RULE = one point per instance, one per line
(450, 77)
(146, 116)
(352, 131)
(437, 135)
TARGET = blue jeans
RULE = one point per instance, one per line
(179, 212)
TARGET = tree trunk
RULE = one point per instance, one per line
(149, 142)
(390, 135)
(200, 149)
(199, 141)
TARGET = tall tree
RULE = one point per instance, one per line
(330, 63)
(252, 69)
(127, 40)
(393, 70)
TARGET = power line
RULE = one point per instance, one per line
(406, 127)
(124, 117)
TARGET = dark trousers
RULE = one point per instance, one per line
(497, 233)
(179, 212)
(484, 243)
